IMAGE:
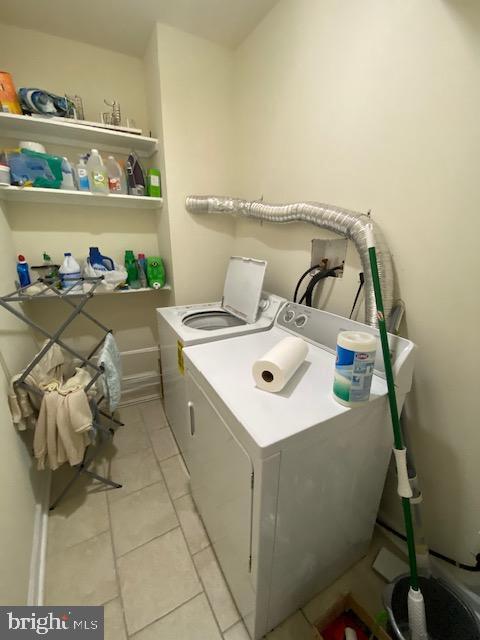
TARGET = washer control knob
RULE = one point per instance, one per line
(288, 316)
(300, 321)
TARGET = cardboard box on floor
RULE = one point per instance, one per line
(346, 603)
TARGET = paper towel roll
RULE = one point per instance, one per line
(277, 366)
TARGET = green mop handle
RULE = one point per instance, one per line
(404, 488)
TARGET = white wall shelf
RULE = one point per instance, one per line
(84, 198)
(115, 292)
(46, 130)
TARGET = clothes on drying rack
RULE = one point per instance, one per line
(65, 418)
(112, 378)
(24, 405)
(61, 431)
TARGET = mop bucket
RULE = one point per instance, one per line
(448, 616)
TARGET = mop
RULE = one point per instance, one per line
(416, 605)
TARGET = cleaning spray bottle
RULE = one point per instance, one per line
(23, 271)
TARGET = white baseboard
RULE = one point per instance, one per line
(36, 583)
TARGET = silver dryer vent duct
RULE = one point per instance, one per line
(348, 224)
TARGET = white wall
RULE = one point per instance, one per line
(151, 66)
(67, 66)
(19, 482)
(196, 83)
(375, 105)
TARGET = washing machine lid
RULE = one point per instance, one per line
(243, 287)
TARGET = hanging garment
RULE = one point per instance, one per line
(112, 378)
(65, 418)
(24, 405)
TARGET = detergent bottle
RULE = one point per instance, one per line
(97, 173)
(98, 261)
(155, 272)
(142, 269)
(133, 280)
(117, 182)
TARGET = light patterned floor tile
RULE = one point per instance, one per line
(216, 588)
(176, 476)
(80, 516)
(83, 574)
(295, 627)
(153, 415)
(130, 438)
(192, 621)
(133, 471)
(191, 524)
(114, 623)
(155, 579)
(130, 414)
(141, 516)
(163, 443)
(237, 632)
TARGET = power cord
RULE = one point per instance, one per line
(362, 282)
(308, 295)
(302, 278)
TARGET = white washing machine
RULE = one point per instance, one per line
(287, 484)
(244, 309)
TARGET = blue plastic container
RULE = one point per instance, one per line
(23, 271)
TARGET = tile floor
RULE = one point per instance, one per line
(142, 551)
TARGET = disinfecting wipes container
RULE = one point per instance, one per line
(354, 367)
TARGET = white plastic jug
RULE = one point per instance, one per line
(117, 182)
(97, 173)
(70, 272)
(67, 175)
(83, 180)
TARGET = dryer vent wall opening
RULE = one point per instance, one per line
(349, 224)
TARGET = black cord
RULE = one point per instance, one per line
(362, 281)
(302, 278)
(308, 295)
(436, 554)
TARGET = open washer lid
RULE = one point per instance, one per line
(243, 287)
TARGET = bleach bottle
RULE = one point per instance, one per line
(70, 273)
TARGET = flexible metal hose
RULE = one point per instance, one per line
(348, 224)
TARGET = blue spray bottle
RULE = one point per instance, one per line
(23, 271)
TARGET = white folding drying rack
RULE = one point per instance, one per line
(74, 296)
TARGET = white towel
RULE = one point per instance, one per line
(112, 378)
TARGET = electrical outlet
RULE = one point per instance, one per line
(329, 253)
